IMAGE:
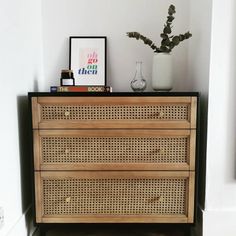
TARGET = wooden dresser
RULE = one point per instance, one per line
(114, 158)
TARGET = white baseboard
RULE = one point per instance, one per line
(24, 226)
(219, 222)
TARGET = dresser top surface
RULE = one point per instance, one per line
(113, 94)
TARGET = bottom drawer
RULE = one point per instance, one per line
(114, 196)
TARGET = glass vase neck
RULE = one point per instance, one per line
(139, 67)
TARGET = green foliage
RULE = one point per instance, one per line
(168, 41)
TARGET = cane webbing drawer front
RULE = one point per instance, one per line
(114, 112)
(116, 149)
(82, 195)
(114, 159)
(126, 112)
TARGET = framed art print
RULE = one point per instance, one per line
(88, 60)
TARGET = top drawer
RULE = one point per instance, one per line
(114, 112)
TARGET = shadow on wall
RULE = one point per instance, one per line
(231, 122)
(25, 159)
(232, 97)
(230, 113)
(233, 61)
(24, 146)
(26, 162)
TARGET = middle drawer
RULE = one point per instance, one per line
(114, 149)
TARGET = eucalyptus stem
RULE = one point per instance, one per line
(146, 40)
(168, 41)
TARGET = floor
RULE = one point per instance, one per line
(118, 230)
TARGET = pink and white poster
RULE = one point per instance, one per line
(88, 60)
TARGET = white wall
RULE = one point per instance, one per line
(198, 80)
(198, 73)
(215, 43)
(220, 214)
(20, 68)
(112, 18)
(222, 111)
(199, 46)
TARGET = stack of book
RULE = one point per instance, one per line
(105, 89)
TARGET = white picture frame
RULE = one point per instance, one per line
(87, 59)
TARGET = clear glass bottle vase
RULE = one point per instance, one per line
(138, 84)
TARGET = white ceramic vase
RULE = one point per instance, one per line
(162, 76)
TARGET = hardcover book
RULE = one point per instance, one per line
(80, 89)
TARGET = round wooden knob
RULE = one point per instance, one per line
(155, 199)
(67, 199)
(162, 151)
(161, 113)
(67, 113)
(67, 151)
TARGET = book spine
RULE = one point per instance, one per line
(80, 89)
